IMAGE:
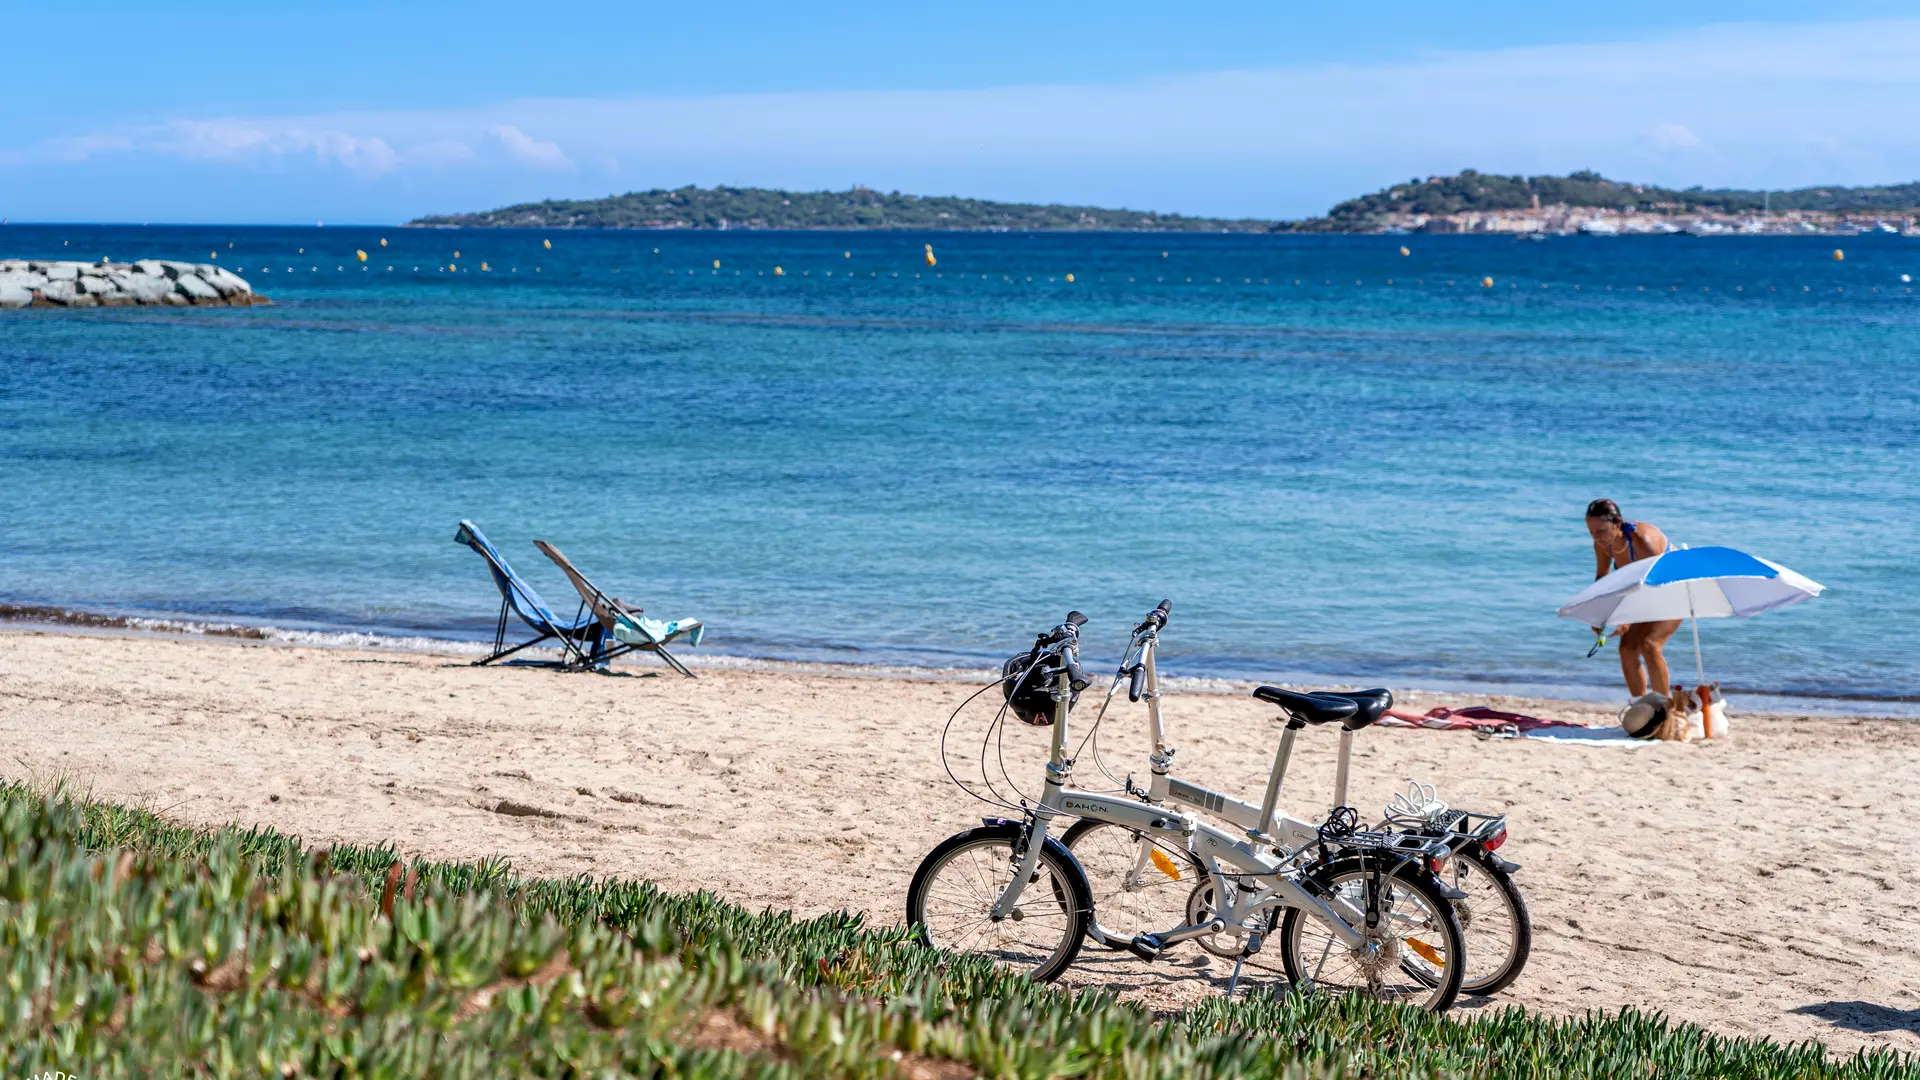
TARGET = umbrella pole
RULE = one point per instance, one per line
(1699, 669)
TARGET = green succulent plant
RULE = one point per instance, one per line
(134, 947)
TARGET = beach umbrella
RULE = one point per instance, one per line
(1690, 583)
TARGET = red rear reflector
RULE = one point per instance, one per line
(1495, 840)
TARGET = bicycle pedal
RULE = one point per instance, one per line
(1146, 946)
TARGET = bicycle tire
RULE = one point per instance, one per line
(1520, 934)
(1439, 918)
(1065, 901)
(1119, 934)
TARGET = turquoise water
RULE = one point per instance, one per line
(1374, 475)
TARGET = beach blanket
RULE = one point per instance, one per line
(1472, 718)
(1491, 723)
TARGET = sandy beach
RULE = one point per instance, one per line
(1757, 885)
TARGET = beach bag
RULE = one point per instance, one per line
(1682, 715)
(1713, 716)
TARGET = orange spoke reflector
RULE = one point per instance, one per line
(1165, 864)
(1427, 952)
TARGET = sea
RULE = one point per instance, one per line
(1345, 459)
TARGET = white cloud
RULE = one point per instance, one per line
(1739, 104)
(82, 147)
(253, 141)
(1673, 137)
(522, 147)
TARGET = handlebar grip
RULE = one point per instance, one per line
(1076, 620)
(1076, 675)
(1137, 683)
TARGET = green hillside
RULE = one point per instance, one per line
(1475, 191)
(856, 208)
(863, 208)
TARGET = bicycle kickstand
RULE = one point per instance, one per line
(1254, 941)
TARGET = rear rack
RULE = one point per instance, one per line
(1407, 844)
(1455, 829)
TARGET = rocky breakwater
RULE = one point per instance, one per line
(33, 283)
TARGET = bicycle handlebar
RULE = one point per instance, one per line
(1066, 631)
(1067, 637)
(1156, 619)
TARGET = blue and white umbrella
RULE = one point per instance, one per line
(1690, 583)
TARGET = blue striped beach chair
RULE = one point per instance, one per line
(582, 640)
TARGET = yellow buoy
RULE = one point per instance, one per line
(383, 241)
(846, 254)
(484, 266)
(456, 254)
(930, 259)
(1486, 283)
(1838, 255)
(716, 264)
(777, 272)
(1404, 251)
(361, 255)
(548, 244)
(213, 254)
(1069, 277)
(450, 266)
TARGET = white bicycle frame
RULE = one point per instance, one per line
(1267, 819)
(1275, 884)
(1288, 833)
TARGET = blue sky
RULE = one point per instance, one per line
(356, 112)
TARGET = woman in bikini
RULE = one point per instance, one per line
(1617, 542)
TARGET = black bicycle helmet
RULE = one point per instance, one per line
(1030, 695)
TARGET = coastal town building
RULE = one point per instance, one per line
(1601, 221)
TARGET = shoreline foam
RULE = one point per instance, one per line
(1766, 702)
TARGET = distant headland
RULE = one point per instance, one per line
(1469, 202)
(855, 208)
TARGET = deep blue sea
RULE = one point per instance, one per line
(1342, 463)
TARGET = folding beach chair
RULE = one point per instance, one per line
(582, 641)
(628, 625)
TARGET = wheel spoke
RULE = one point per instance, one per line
(955, 897)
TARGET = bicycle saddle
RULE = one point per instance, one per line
(1310, 708)
(1371, 706)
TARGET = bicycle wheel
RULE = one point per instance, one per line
(951, 902)
(1414, 955)
(1132, 890)
(1499, 932)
